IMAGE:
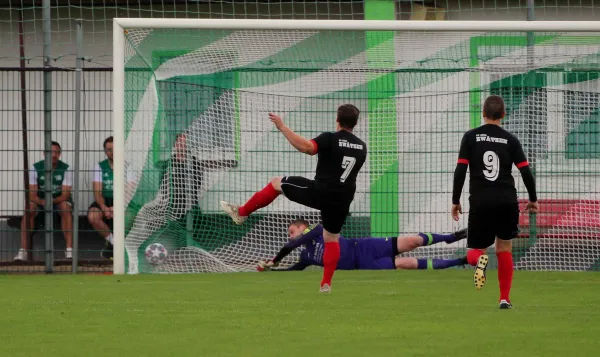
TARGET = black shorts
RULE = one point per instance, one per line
(55, 208)
(333, 204)
(107, 201)
(491, 220)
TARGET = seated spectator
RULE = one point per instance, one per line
(62, 182)
(100, 213)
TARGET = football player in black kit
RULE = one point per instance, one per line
(340, 157)
(490, 151)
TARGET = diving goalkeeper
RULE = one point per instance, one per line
(362, 253)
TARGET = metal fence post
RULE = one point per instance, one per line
(23, 81)
(531, 64)
(49, 215)
(78, 74)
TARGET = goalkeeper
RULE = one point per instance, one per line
(362, 253)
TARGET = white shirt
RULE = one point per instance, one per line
(97, 174)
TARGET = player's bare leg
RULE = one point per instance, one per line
(66, 221)
(478, 259)
(505, 271)
(260, 199)
(427, 264)
(406, 263)
(96, 219)
(408, 243)
(27, 225)
(331, 256)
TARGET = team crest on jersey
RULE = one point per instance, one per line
(58, 177)
(489, 139)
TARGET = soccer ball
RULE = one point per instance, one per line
(156, 254)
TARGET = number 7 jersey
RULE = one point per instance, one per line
(490, 152)
(341, 155)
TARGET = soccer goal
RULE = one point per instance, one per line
(191, 99)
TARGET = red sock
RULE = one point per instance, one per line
(505, 274)
(473, 256)
(260, 199)
(331, 256)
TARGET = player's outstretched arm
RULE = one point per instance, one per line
(300, 265)
(309, 234)
(460, 173)
(522, 164)
(298, 142)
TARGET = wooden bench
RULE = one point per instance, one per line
(90, 243)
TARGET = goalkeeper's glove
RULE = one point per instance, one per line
(266, 265)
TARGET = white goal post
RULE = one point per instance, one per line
(122, 25)
(358, 25)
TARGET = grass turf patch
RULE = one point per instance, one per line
(369, 313)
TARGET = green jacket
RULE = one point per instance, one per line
(107, 179)
(58, 179)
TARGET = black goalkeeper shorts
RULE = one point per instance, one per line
(491, 220)
(334, 205)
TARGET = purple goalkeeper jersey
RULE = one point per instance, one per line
(314, 245)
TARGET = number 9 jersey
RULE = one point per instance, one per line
(490, 152)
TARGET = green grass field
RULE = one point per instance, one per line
(392, 313)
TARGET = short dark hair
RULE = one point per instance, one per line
(347, 116)
(299, 221)
(493, 107)
(106, 141)
(55, 143)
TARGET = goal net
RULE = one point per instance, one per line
(195, 131)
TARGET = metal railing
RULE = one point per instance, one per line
(22, 144)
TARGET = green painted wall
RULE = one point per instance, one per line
(383, 142)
